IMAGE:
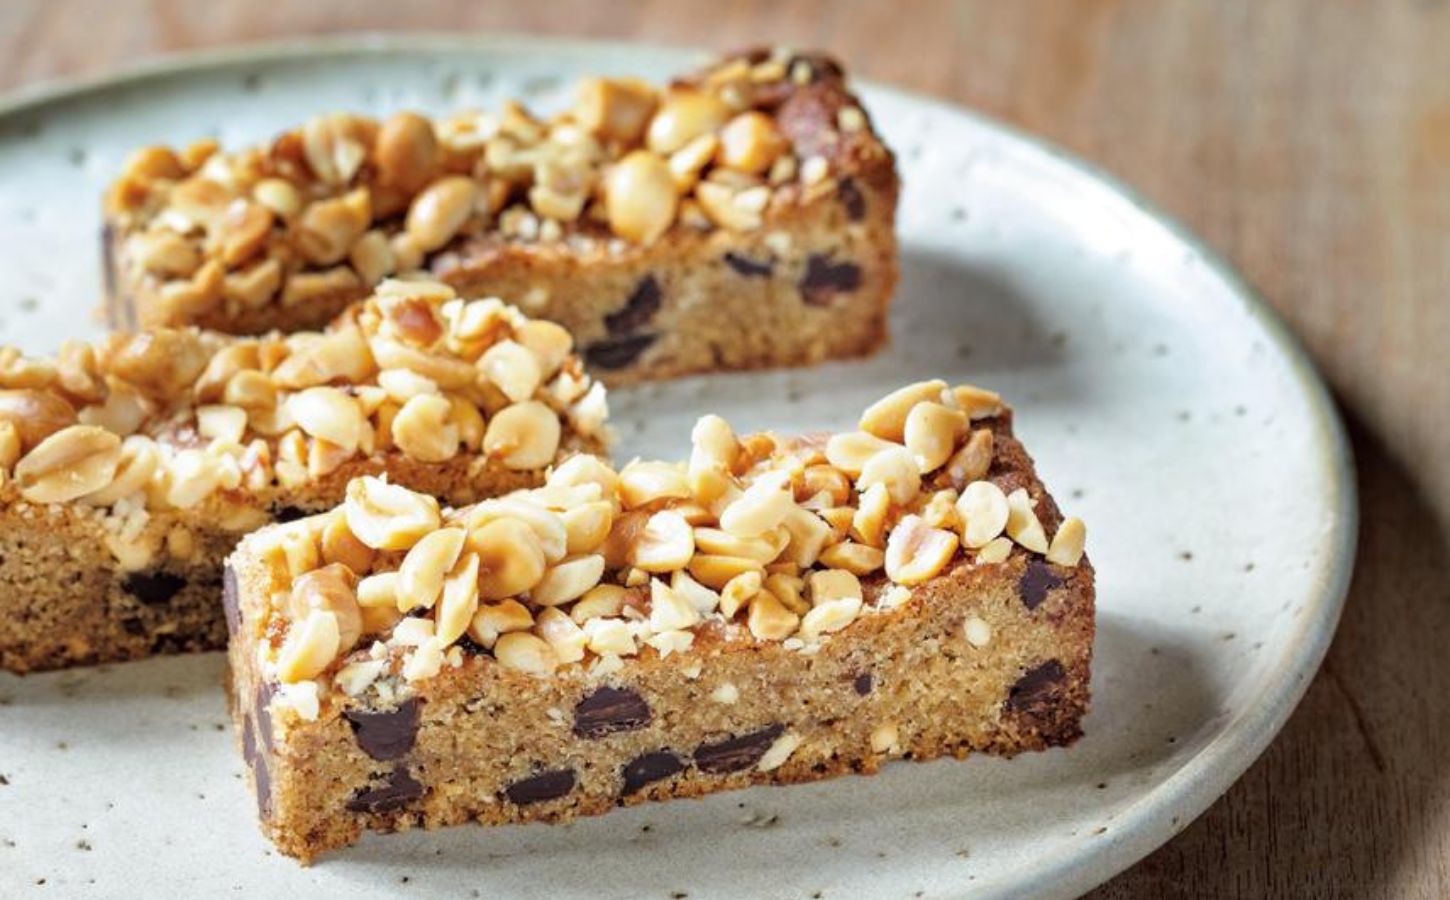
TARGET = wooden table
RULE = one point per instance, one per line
(1307, 140)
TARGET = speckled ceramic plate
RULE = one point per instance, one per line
(1164, 404)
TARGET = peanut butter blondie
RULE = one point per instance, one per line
(740, 217)
(129, 467)
(770, 611)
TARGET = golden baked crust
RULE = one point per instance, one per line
(129, 467)
(742, 217)
(988, 650)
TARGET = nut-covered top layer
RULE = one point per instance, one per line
(346, 200)
(786, 541)
(168, 419)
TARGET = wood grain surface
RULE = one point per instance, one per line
(1307, 140)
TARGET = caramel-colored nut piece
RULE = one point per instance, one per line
(600, 600)
(243, 232)
(36, 415)
(568, 581)
(896, 468)
(824, 585)
(221, 423)
(703, 599)
(738, 592)
(769, 620)
(689, 161)
(406, 152)
(665, 544)
(764, 548)
(615, 109)
(439, 211)
(886, 418)
(977, 403)
(683, 116)
(916, 552)
(738, 209)
(609, 636)
(161, 363)
(341, 355)
(310, 647)
(494, 619)
(857, 558)
(547, 525)
(278, 195)
(640, 197)
(377, 591)
(387, 516)
(587, 526)
(70, 463)
(1067, 545)
(886, 739)
(1023, 525)
(420, 577)
(511, 561)
(716, 571)
(559, 631)
(550, 343)
(850, 450)
(328, 228)
(668, 610)
(330, 414)
(523, 436)
(335, 146)
(824, 484)
(869, 522)
(140, 461)
(459, 601)
(525, 653)
(585, 469)
(996, 550)
(644, 482)
(424, 429)
(513, 369)
(751, 142)
(372, 256)
(983, 511)
(789, 590)
(9, 447)
(340, 545)
(329, 589)
(931, 434)
(830, 616)
(761, 508)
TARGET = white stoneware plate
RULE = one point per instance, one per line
(1164, 403)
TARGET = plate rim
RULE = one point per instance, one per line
(1209, 773)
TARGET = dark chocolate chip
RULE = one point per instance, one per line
(263, 707)
(153, 588)
(824, 279)
(616, 353)
(1035, 691)
(400, 790)
(385, 734)
(610, 710)
(863, 684)
(638, 310)
(647, 768)
(852, 199)
(1037, 579)
(738, 752)
(748, 267)
(469, 646)
(288, 514)
(230, 601)
(538, 788)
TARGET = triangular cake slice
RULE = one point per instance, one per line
(770, 611)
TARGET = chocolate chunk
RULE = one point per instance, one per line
(1035, 692)
(863, 684)
(547, 786)
(638, 309)
(616, 353)
(825, 278)
(610, 710)
(230, 601)
(261, 775)
(153, 588)
(469, 646)
(263, 707)
(400, 790)
(736, 753)
(385, 734)
(748, 267)
(288, 514)
(647, 768)
(1036, 581)
(852, 199)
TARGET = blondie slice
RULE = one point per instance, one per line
(769, 611)
(129, 467)
(740, 217)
